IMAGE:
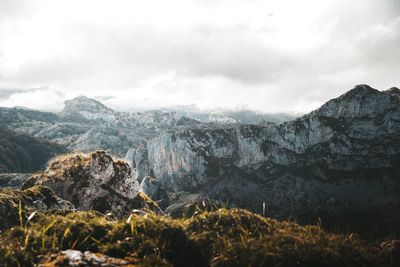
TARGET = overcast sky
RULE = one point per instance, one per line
(265, 55)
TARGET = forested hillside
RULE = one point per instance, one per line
(22, 153)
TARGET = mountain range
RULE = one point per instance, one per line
(339, 163)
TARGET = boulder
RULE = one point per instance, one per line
(93, 181)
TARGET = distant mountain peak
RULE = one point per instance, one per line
(359, 91)
(84, 101)
(86, 107)
(393, 91)
(361, 101)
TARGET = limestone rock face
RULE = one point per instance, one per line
(91, 181)
(322, 159)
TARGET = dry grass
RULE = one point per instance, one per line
(219, 238)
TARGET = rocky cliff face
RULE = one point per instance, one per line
(344, 153)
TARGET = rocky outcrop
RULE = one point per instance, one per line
(92, 181)
(343, 155)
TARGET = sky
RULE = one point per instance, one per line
(266, 55)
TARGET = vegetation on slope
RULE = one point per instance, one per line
(25, 154)
(220, 238)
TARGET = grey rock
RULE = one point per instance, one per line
(58, 204)
(91, 182)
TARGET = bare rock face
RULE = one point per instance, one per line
(92, 181)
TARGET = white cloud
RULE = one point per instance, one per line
(269, 55)
(46, 99)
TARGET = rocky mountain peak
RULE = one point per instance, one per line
(361, 101)
(393, 91)
(360, 90)
(86, 107)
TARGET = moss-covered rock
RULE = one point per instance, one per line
(94, 181)
(17, 205)
(219, 238)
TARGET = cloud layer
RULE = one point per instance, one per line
(267, 55)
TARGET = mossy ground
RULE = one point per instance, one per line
(17, 205)
(225, 237)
